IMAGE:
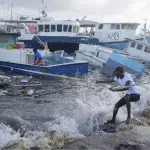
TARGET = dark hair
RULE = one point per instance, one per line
(34, 50)
(119, 69)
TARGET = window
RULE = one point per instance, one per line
(74, 29)
(65, 27)
(40, 28)
(148, 40)
(117, 26)
(70, 28)
(124, 26)
(133, 27)
(3, 39)
(53, 28)
(112, 26)
(147, 49)
(100, 26)
(139, 47)
(140, 39)
(59, 28)
(133, 44)
(78, 28)
(46, 28)
(129, 26)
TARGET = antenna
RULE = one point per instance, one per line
(83, 17)
(145, 27)
(44, 8)
(11, 11)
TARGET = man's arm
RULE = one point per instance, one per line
(122, 89)
(35, 59)
(107, 81)
(39, 60)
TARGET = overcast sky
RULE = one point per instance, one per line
(96, 10)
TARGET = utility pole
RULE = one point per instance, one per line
(11, 16)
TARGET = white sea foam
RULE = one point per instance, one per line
(7, 134)
(93, 101)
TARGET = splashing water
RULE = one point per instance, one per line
(93, 102)
(7, 134)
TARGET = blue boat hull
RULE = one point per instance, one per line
(49, 72)
(130, 66)
(115, 45)
(68, 44)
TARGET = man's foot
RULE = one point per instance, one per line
(128, 120)
(110, 122)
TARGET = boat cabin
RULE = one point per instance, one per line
(139, 49)
(115, 32)
(58, 28)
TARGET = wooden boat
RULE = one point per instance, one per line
(55, 67)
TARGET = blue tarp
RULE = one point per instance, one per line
(130, 66)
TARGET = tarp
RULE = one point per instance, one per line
(130, 66)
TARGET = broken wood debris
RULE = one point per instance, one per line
(27, 85)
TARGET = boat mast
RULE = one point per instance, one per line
(11, 15)
(43, 11)
(145, 25)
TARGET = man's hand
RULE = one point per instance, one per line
(107, 82)
(111, 89)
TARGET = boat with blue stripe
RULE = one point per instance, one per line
(55, 66)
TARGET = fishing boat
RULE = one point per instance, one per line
(135, 49)
(113, 35)
(139, 48)
(56, 66)
(66, 34)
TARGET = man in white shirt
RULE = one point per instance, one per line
(132, 94)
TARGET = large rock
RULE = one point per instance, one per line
(52, 140)
(73, 137)
(58, 139)
(137, 138)
(43, 143)
(17, 145)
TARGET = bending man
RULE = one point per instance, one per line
(38, 58)
(132, 94)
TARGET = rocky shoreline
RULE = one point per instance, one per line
(135, 136)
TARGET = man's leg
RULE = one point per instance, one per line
(127, 99)
(130, 98)
(119, 104)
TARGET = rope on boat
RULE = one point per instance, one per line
(46, 74)
(45, 46)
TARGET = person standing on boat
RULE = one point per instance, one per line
(38, 58)
(132, 94)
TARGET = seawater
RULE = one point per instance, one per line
(75, 111)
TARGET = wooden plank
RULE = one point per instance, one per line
(28, 85)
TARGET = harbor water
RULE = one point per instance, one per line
(69, 111)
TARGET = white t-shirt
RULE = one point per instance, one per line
(122, 82)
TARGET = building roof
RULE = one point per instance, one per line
(6, 33)
(19, 21)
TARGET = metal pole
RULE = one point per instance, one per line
(11, 11)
